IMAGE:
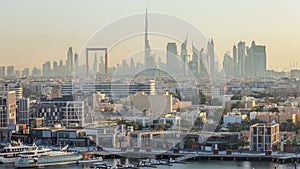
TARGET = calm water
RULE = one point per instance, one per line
(191, 165)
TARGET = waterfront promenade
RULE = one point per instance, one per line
(202, 155)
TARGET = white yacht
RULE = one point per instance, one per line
(54, 158)
(14, 149)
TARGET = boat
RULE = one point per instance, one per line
(12, 151)
(100, 165)
(93, 160)
(54, 158)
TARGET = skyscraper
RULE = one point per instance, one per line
(36, 72)
(76, 63)
(25, 72)
(2, 71)
(23, 111)
(46, 69)
(95, 64)
(211, 57)
(241, 58)
(8, 108)
(184, 56)
(132, 65)
(172, 60)
(10, 71)
(195, 62)
(204, 68)
(228, 64)
(55, 69)
(235, 61)
(70, 63)
(61, 67)
(149, 59)
(258, 58)
(102, 66)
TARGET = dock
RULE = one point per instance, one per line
(188, 156)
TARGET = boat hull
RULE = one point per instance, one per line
(46, 164)
(48, 161)
(7, 160)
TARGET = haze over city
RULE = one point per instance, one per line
(33, 31)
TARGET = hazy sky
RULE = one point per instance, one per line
(33, 31)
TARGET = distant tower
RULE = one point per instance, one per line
(55, 68)
(211, 56)
(95, 65)
(184, 55)
(204, 68)
(61, 67)
(172, 60)
(2, 71)
(132, 65)
(241, 58)
(10, 71)
(70, 60)
(76, 64)
(235, 60)
(195, 62)
(101, 66)
(258, 59)
(148, 60)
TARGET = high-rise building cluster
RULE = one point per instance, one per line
(60, 68)
(57, 69)
(246, 61)
(199, 63)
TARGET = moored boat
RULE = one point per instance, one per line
(54, 158)
(12, 151)
(100, 165)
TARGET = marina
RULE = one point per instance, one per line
(198, 156)
(33, 156)
(207, 164)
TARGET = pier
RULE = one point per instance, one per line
(197, 156)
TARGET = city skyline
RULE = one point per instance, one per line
(273, 25)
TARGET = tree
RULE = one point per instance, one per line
(160, 127)
(237, 96)
(120, 122)
(190, 142)
(198, 123)
(177, 94)
(243, 142)
(203, 98)
(225, 111)
(133, 124)
(234, 127)
(297, 127)
(287, 126)
(237, 105)
(258, 109)
(274, 109)
(255, 121)
(216, 102)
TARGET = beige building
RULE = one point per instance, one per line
(151, 103)
(7, 108)
(284, 92)
(245, 103)
(277, 117)
(264, 136)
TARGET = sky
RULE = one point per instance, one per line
(34, 31)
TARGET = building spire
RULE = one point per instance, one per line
(148, 58)
(146, 30)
